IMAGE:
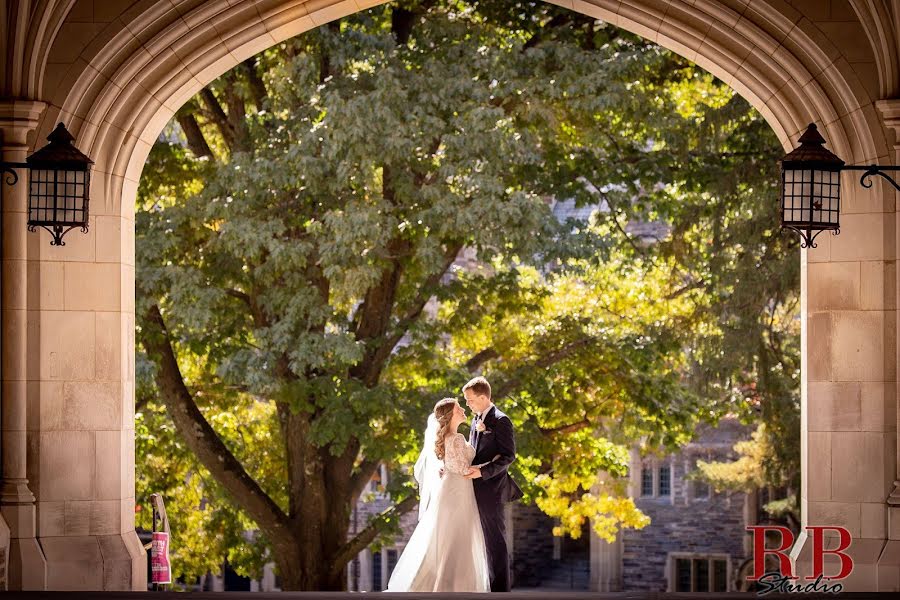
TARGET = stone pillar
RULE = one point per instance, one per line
(27, 566)
(848, 388)
(365, 571)
(606, 557)
(889, 562)
(80, 389)
(606, 564)
(751, 510)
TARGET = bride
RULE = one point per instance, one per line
(446, 552)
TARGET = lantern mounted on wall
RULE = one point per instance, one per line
(811, 187)
(58, 186)
(59, 179)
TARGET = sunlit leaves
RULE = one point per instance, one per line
(594, 337)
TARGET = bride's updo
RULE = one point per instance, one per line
(443, 412)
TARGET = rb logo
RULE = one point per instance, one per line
(780, 580)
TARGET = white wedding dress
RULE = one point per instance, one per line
(446, 552)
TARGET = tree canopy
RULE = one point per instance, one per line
(345, 228)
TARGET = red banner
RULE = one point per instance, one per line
(160, 568)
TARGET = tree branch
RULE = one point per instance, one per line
(217, 115)
(370, 532)
(325, 66)
(195, 140)
(361, 478)
(375, 314)
(543, 362)
(256, 84)
(685, 289)
(427, 289)
(242, 296)
(475, 363)
(383, 350)
(564, 429)
(199, 436)
(401, 24)
(237, 115)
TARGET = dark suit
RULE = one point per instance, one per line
(495, 445)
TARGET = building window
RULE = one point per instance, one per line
(656, 479)
(665, 480)
(682, 574)
(699, 573)
(391, 562)
(699, 489)
(646, 481)
(379, 481)
(720, 575)
(376, 572)
(354, 574)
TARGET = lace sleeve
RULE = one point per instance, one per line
(458, 454)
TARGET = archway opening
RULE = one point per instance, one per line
(418, 254)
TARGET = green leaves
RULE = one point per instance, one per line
(311, 272)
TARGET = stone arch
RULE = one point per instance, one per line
(875, 17)
(135, 77)
(31, 34)
(135, 66)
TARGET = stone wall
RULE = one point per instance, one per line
(532, 545)
(682, 522)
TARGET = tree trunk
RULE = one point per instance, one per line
(296, 576)
(306, 561)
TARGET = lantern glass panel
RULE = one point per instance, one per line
(43, 188)
(796, 194)
(811, 196)
(827, 194)
(806, 192)
(57, 197)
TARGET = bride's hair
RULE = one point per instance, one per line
(443, 412)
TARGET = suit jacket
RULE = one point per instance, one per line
(496, 445)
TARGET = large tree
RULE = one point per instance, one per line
(300, 310)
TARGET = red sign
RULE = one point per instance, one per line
(779, 580)
(160, 568)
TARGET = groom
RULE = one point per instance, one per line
(495, 449)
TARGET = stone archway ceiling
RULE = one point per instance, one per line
(31, 28)
(880, 24)
(134, 74)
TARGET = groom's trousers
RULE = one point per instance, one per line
(493, 523)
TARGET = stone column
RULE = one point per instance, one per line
(889, 563)
(27, 566)
(848, 387)
(606, 564)
(81, 393)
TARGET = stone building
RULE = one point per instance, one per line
(696, 538)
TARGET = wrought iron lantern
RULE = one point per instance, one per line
(811, 187)
(59, 181)
(58, 185)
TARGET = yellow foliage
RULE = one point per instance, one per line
(606, 512)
